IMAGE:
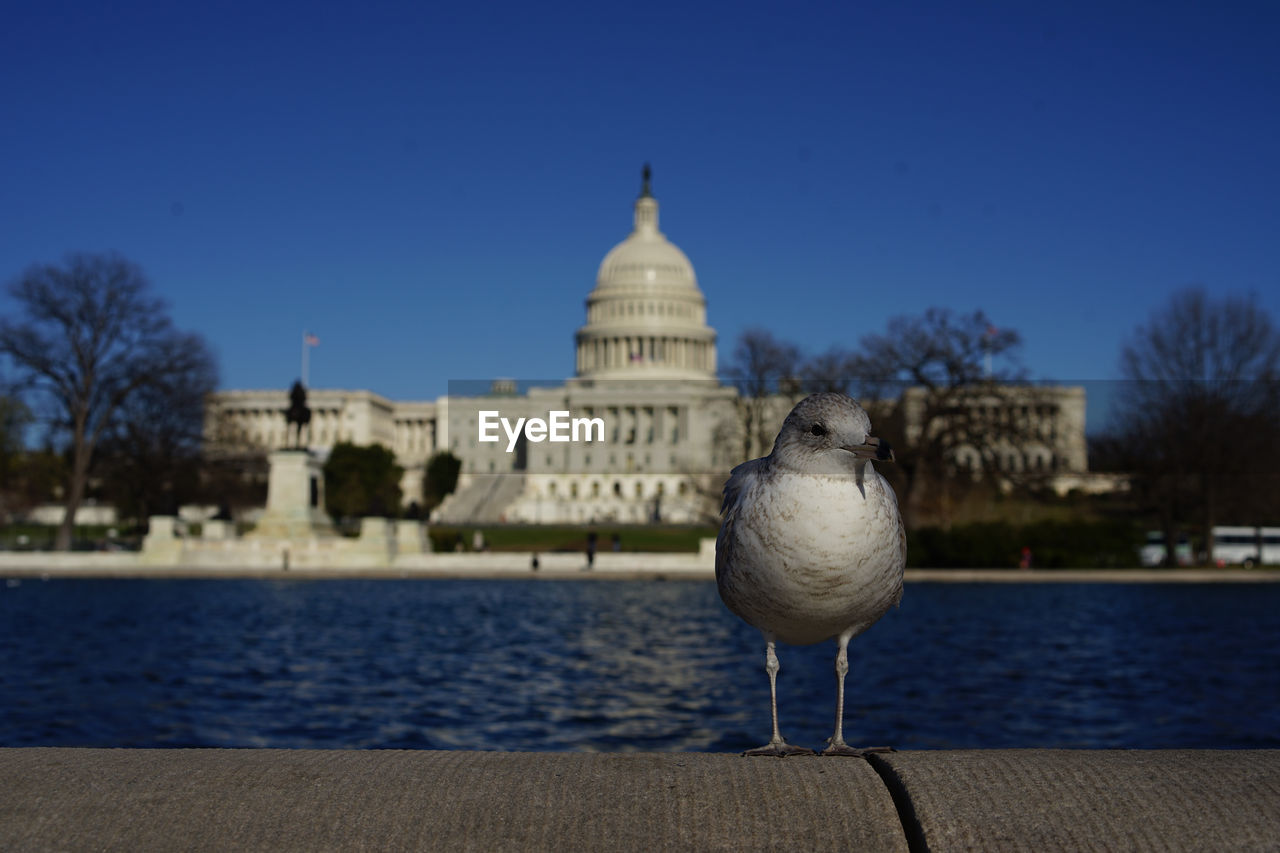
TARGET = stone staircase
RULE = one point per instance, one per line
(483, 501)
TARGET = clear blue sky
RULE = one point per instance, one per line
(430, 187)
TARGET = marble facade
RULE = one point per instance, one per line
(645, 363)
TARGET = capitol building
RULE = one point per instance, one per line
(643, 431)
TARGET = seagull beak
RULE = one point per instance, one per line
(873, 449)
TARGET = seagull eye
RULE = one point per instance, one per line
(818, 429)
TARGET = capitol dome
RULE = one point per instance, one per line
(646, 317)
(646, 257)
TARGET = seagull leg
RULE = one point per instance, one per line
(776, 745)
(835, 743)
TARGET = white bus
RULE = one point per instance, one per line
(1232, 546)
(1246, 546)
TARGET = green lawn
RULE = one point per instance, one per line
(39, 537)
(646, 538)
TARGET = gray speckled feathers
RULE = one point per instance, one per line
(812, 544)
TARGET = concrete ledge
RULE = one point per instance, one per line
(70, 799)
(80, 799)
(1089, 800)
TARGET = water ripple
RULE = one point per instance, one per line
(618, 666)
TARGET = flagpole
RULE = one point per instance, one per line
(988, 337)
(305, 383)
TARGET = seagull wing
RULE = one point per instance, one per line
(739, 483)
(890, 499)
(740, 479)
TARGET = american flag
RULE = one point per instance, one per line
(310, 340)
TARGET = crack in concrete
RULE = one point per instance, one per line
(911, 828)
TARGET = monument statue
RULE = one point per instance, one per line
(298, 414)
(295, 483)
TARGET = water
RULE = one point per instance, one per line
(538, 665)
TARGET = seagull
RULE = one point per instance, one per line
(812, 545)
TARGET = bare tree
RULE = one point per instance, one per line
(938, 386)
(92, 336)
(152, 448)
(762, 366)
(1198, 423)
(15, 417)
(831, 370)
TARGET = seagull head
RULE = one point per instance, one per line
(828, 434)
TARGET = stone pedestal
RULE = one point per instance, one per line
(295, 498)
(218, 530)
(161, 528)
(375, 530)
(161, 546)
(411, 537)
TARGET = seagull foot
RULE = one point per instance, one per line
(779, 749)
(854, 752)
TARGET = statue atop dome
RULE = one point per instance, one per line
(647, 174)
